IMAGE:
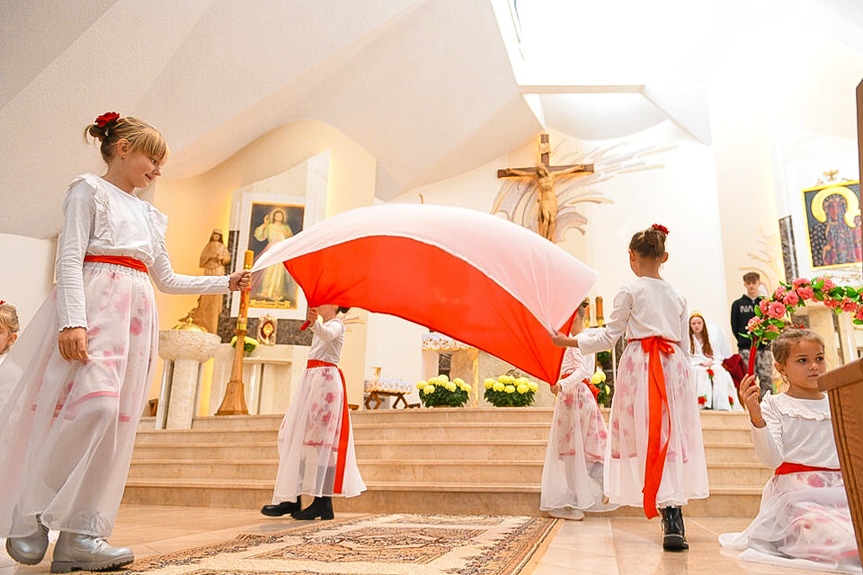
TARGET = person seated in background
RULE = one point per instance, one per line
(713, 384)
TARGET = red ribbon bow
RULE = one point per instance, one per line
(2, 301)
(661, 228)
(107, 118)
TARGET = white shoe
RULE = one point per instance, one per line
(567, 513)
(76, 552)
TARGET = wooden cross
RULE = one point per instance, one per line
(545, 174)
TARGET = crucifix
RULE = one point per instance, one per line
(545, 174)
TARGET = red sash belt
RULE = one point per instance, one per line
(341, 456)
(658, 406)
(119, 260)
(787, 467)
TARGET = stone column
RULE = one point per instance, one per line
(187, 350)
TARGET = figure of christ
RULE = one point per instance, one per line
(545, 175)
(546, 198)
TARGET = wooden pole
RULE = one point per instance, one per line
(234, 402)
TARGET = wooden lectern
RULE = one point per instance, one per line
(844, 387)
(234, 402)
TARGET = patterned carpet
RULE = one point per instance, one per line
(372, 545)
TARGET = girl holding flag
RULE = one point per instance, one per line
(655, 457)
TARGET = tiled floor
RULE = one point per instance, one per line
(595, 546)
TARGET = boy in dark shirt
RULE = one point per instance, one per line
(742, 310)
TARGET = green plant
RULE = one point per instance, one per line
(249, 343)
(507, 390)
(601, 390)
(441, 391)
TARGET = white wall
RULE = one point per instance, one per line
(28, 273)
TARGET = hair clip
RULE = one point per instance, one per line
(660, 228)
(2, 301)
(107, 118)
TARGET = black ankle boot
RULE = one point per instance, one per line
(321, 507)
(674, 535)
(283, 508)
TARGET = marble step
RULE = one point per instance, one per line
(452, 472)
(466, 450)
(398, 497)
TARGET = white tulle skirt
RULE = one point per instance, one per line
(67, 428)
(684, 476)
(309, 440)
(721, 395)
(574, 458)
(804, 521)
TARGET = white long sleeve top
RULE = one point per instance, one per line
(797, 431)
(327, 340)
(647, 307)
(101, 219)
(576, 366)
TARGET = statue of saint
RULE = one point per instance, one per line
(213, 259)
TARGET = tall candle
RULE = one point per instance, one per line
(600, 318)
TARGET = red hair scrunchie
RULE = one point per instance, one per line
(660, 228)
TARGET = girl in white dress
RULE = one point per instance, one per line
(80, 372)
(719, 394)
(656, 454)
(804, 520)
(316, 442)
(572, 474)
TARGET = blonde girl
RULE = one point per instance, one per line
(804, 520)
(81, 370)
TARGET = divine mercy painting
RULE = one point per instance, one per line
(269, 224)
(833, 224)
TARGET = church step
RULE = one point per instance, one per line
(712, 433)
(730, 452)
(466, 449)
(451, 472)
(198, 436)
(475, 430)
(398, 497)
(210, 450)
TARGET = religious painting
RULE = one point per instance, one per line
(269, 224)
(833, 224)
(266, 212)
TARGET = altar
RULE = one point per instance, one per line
(270, 376)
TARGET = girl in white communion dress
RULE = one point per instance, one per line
(713, 384)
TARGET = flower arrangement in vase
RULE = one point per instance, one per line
(508, 391)
(250, 344)
(601, 390)
(441, 392)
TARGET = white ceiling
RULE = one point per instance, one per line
(431, 88)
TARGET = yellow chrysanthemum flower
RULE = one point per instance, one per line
(598, 377)
(489, 382)
(428, 389)
(533, 385)
(443, 377)
(421, 384)
(467, 387)
(509, 389)
(522, 381)
(450, 386)
(458, 381)
(498, 386)
(522, 388)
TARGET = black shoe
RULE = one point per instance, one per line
(283, 508)
(321, 507)
(674, 535)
